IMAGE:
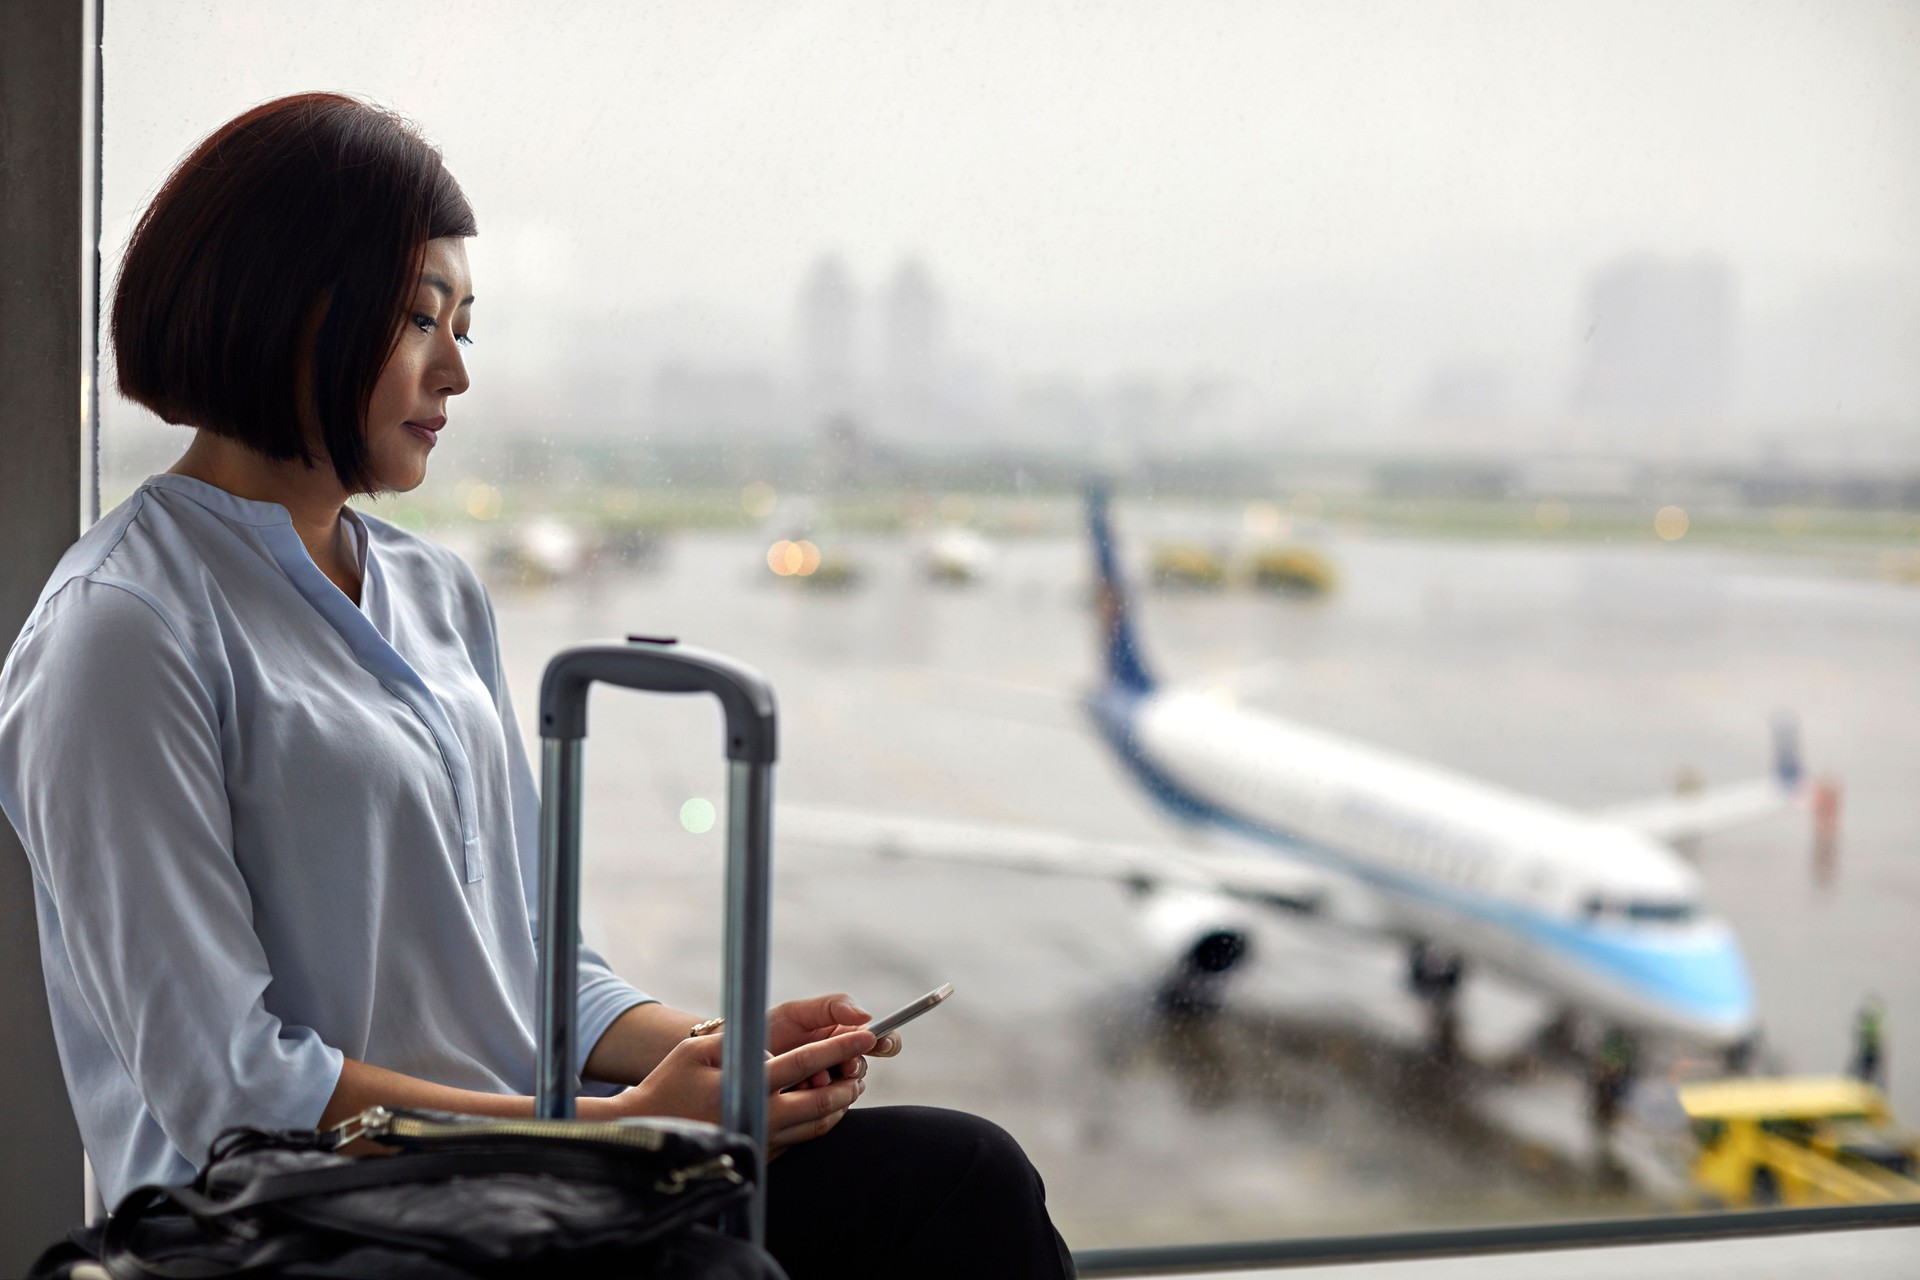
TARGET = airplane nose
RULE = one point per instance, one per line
(1711, 979)
(1701, 976)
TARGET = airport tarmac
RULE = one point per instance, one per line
(1587, 673)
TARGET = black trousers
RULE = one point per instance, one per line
(912, 1191)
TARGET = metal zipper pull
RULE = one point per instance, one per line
(718, 1167)
(371, 1123)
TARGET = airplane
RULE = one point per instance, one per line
(1595, 911)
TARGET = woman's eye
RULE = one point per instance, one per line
(463, 339)
(426, 324)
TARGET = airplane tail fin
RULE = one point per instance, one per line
(1787, 768)
(1125, 668)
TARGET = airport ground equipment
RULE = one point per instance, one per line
(663, 666)
(1186, 567)
(1810, 1140)
(1290, 570)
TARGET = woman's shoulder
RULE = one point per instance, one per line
(159, 563)
(105, 570)
(101, 617)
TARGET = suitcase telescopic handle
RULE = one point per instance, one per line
(658, 666)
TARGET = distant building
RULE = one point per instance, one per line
(912, 317)
(825, 324)
(1657, 338)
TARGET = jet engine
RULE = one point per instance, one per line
(1197, 938)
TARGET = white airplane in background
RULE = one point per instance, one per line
(1595, 911)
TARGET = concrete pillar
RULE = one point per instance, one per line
(41, 64)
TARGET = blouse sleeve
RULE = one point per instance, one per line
(111, 769)
(604, 996)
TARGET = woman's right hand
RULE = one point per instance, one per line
(687, 1084)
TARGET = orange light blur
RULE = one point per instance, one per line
(793, 559)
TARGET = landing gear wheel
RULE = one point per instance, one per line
(1435, 978)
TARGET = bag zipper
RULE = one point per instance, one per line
(376, 1123)
(379, 1122)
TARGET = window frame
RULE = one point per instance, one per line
(36, 516)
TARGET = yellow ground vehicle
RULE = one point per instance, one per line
(1799, 1141)
(1290, 570)
(1182, 566)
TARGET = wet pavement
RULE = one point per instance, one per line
(1587, 674)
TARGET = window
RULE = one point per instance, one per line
(1505, 413)
(1642, 911)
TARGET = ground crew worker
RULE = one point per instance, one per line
(1613, 1068)
(1869, 1028)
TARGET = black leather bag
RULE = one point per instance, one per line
(461, 1198)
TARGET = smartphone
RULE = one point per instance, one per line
(907, 1013)
(899, 1018)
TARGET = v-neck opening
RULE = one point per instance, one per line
(355, 625)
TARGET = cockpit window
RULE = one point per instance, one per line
(1642, 910)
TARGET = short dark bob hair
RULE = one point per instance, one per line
(266, 285)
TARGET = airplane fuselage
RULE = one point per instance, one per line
(1595, 914)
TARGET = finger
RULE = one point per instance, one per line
(795, 1065)
(836, 1008)
(851, 1069)
(818, 1080)
(888, 1047)
(702, 1050)
(794, 1022)
(803, 1133)
(796, 1116)
(804, 1106)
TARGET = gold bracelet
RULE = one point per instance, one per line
(710, 1027)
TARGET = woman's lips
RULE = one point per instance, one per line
(428, 430)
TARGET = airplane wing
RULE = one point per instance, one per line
(1688, 816)
(1269, 881)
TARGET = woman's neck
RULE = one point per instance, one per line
(312, 495)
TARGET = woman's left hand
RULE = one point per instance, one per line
(799, 1022)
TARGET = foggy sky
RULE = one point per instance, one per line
(1325, 200)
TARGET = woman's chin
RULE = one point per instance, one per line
(404, 478)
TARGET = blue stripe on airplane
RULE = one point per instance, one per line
(1707, 978)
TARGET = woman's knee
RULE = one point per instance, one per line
(936, 1190)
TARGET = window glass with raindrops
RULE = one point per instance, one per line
(1348, 574)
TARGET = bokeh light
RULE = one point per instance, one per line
(793, 559)
(759, 499)
(483, 502)
(1671, 523)
(1552, 515)
(697, 815)
(1265, 520)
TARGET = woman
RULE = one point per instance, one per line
(260, 751)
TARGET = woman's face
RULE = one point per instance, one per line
(409, 406)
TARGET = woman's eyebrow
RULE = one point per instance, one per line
(433, 281)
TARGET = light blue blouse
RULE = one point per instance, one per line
(269, 828)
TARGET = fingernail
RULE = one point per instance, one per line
(859, 1087)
